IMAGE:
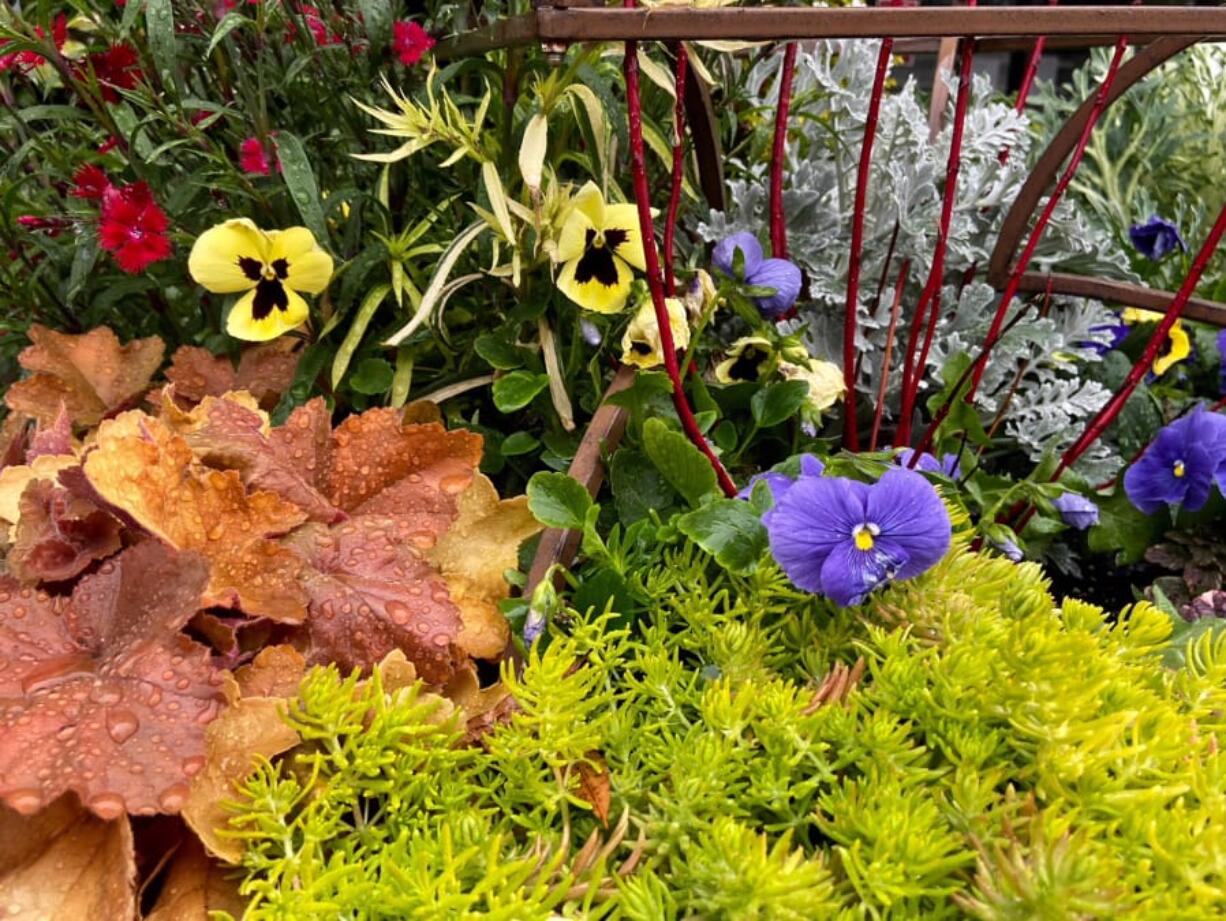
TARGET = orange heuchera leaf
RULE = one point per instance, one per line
(232, 432)
(55, 438)
(142, 468)
(90, 375)
(64, 864)
(196, 886)
(100, 693)
(372, 593)
(59, 534)
(15, 479)
(13, 439)
(266, 371)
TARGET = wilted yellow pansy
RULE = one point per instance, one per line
(597, 247)
(641, 341)
(745, 360)
(825, 380)
(272, 266)
(1179, 345)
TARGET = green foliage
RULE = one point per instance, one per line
(1002, 757)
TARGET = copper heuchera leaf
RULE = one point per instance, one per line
(64, 864)
(195, 886)
(372, 593)
(232, 432)
(142, 468)
(100, 694)
(90, 375)
(55, 438)
(266, 371)
(59, 534)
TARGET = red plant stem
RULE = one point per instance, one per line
(851, 434)
(899, 285)
(1023, 91)
(674, 198)
(1023, 262)
(1105, 416)
(655, 281)
(779, 230)
(930, 298)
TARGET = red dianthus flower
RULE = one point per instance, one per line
(133, 227)
(410, 41)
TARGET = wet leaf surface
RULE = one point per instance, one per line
(266, 371)
(59, 534)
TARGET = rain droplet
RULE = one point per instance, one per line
(107, 805)
(173, 798)
(105, 694)
(27, 802)
(399, 613)
(455, 483)
(192, 766)
(121, 725)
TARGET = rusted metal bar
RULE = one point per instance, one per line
(704, 134)
(766, 23)
(602, 434)
(504, 33)
(1123, 293)
(1048, 165)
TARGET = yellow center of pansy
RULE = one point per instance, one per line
(863, 535)
(1180, 469)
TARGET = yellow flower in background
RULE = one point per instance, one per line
(745, 360)
(641, 342)
(598, 246)
(825, 380)
(271, 266)
(1178, 343)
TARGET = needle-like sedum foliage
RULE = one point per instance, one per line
(997, 755)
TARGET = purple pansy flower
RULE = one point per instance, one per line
(779, 274)
(1009, 550)
(948, 464)
(1180, 464)
(1118, 330)
(1221, 350)
(1155, 238)
(844, 538)
(779, 483)
(1076, 510)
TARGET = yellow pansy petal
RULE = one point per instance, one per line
(594, 295)
(641, 341)
(573, 238)
(291, 242)
(310, 271)
(1179, 347)
(242, 323)
(589, 200)
(625, 218)
(214, 258)
(1137, 315)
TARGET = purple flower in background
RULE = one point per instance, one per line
(779, 274)
(1009, 550)
(1180, 464)
(948, 464)
(1221, 350)
(779, 483)
(1155, 238)
(1076, 510)
(1118, 330)
(843, 538)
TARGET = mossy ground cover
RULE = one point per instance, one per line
(998, 754)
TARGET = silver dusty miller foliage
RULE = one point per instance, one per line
(1040, 358)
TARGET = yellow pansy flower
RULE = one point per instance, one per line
(271, 266)
(825, 380)
(641, 341)
(1179, 344)
(745, 360)
(598, 246)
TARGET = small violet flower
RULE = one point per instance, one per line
(779, 483)
(1180, 464)
(1221, 350)
(1076, 510)
(947, 465)
(844, 538)
(1156, 238)
(1009, 550)
(779, 274)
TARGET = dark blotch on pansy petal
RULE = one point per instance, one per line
(1156, 238)
(269, 293)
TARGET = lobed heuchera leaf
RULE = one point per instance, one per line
(64, 864)
(100, 694)
(372, 593)
(55, 438)
(89, 375)
(265, 371)
(15, 479)
(195, 887)
(13, 431)
(233, 432)
(149, 473)
(59, 534)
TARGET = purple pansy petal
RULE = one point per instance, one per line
(1200, 486)
(724, 254)
(810, 520)
(781, 275)
(779, 483)
(948, 464)
(1195, 445)
(1156, 238)
(1221, 350)
(849, 574)
(1011, 551)
(1076, 510)
(1119, 331)
(811, 465)
(907, 509)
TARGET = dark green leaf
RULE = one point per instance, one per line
(519, 443)
(499, 353)
(372, 376)
(558, 501)
(160, 25)
(729, 530)
(777, 402)
(638, 487)
(300, 180)
(682, 464)
(516, 390)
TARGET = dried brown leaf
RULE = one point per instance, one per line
(59, 534)
(266, 371)
(13, 433)
(99, 693)
(64, 864)
(142, 468)
(195, 886)
(372, 593)
(90, 375)
(593, 780)
(276, 671)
